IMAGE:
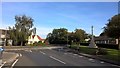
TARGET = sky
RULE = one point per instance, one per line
(69, 15)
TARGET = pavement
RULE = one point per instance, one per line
(9, 57)
(102, 59)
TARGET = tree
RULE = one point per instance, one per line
(21, 31)
(62, 36)
(49, 38)
(71, 38)
(112, 28)
(80, 35)
(58, 36)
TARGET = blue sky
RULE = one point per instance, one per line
(70, 15)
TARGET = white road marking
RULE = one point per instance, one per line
(14, 63)
(20, 55)
(102, 62)
(42, 52)
(80, 56)
(30, 50)
(116, 65)
(92, 60)
(65, 53)
(26, 50)
(2, 64)
(57, 59)
(74, 54)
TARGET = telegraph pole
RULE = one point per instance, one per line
(67, 38)
(5, 38)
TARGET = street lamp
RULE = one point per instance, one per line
(5, 37)
(67, 38)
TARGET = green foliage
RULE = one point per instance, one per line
(80, 35)
(58, 36)
(21, 31)
(112, 28)
(87, 50)
(112, 54)
(102, 51)
(38, 43)
(62, 36)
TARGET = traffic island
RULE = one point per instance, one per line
(9, 57)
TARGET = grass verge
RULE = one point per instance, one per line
(111, 54)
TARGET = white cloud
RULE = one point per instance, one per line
(4, 25)
(43, 31)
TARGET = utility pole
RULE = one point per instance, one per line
(92, 43)
(67, 39)
(5, 41)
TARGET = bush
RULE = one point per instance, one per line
(73, 47)
(35, 44)
(102, 51)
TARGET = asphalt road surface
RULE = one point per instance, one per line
(54, 57)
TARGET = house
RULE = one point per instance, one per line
(34, 38)
(105, 40)
(4, 37)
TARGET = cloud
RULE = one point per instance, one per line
(4, 25)
(43, 31)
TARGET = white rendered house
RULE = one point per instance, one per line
(34, 38)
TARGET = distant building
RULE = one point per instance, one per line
(105, 40)
(87, 39)
(34, 38)
(4, 37)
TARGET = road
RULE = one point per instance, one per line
(54, 57)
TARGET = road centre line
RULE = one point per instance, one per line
(57, 59)
(14, 63)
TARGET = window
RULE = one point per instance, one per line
(3, 32)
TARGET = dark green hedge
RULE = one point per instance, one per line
(111, 46)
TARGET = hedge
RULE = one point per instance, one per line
(111, 46)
